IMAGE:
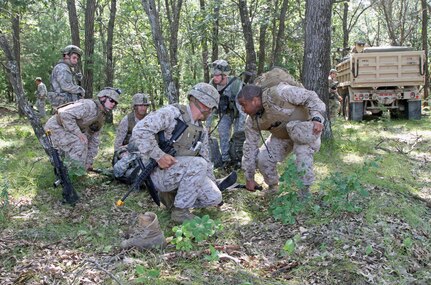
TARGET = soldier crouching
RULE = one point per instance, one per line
(187, 180)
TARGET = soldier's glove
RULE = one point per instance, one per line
(79, 76)
(81, 91)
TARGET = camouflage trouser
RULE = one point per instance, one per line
(279, 150)
(189, 176)
(67, 142)
(334, 108)
(224, 131)
(40, 104)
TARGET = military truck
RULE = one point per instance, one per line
(382, 78)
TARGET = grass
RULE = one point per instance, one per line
(386, 242)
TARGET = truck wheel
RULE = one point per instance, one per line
(353, 111)
(414, 110)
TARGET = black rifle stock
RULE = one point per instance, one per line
(62, 177)
(144, 177)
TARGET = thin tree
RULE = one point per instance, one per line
(250, 59)
(425, 48)
(73, 22)
(173, 11)
(90, 11)
(204, 44)
(262, 36)
(109, 68)
(215, 30)
(317, 51)
(279, 41)
(162, 54)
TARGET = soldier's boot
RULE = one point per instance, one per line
(147, 235)
(304, 193)
(168, 199)
(226, 182)
(179, 215)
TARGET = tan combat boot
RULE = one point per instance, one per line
(179, 215)
(147, 233)
(168, 199)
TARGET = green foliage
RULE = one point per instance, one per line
(194, 231)
(214, 254)
(291, 244)
(4, 200)
(145, 275)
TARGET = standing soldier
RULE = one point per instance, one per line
(75, 129)
(294, 117)
(41, 94)
(124, 163)
(334, 97)
(228, 88)
(186, 180)
(65, 77)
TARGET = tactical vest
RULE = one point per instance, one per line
(131, 122)
(190, 141)
(277, 113)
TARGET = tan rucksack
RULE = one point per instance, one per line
(274, 77)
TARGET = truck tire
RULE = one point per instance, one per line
(414, 110)
(353, 111)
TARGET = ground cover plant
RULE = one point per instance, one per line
(368, 221)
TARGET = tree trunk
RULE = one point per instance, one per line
(279, 42)
(262, 39)
(346, 31)
(162, 54)
(317, 51)
(73, 22)
(173, 8)
(90, 11)
(425, 48)
(17, 51)
(109, 69)
(15, 80)
(204, 44)
(214, 54)
(250, 64)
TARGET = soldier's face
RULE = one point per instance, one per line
(110, 103)
(200, 112)
(72, 58)
(250, 107)
(141, 110)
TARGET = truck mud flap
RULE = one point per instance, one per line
(414, 110)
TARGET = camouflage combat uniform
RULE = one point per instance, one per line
(192, 175)
(41, 95)
(232, 116)
(334, 102)
(85, 116)
(287, 113)
(124, 130)
(64, 85)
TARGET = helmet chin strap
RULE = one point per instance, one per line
(203, 112)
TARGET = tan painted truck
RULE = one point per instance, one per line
(381, 78)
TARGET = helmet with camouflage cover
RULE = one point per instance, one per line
(206, 94)
(141, 99)
(110, 92)
(220, 66)
(72, 49)
(38, 79)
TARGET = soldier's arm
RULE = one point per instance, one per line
(65, 79)
(70, 114)
(303, 97)
(145, 132)
(121, 133)
(250, 150)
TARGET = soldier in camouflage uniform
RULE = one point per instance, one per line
(76, 127)
(123, 162)
(228, 87)
(41, 94)
(64, 78)
(189, 173)
(294, 117)
(334, 98)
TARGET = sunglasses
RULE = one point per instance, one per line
(112, 101)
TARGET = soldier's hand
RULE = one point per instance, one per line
(83, 138)
(166, 161)
(251, 185)
(317, 127)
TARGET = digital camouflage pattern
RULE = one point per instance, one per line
(123, 130)
(41, 95)
(191, 176)
(65, 130)
(301, 141)
(64, 85)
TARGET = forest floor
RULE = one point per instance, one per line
(368, 222)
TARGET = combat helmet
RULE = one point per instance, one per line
(72, 49)
(220, 66)
(110, 92)
(333, 70)
(141, 99)
(38, 78)
(206, 94)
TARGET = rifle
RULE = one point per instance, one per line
(334, 85)
(144, 177)
(62, 177)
